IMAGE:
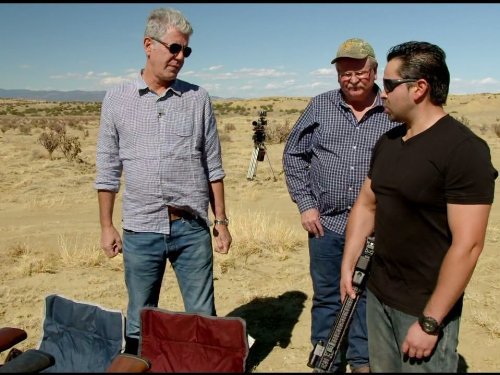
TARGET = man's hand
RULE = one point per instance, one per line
(346, 288)
(222, 238)
(417, 343)
(111, 242)
(310, 222)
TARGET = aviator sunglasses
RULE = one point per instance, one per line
(391, 84)
(175, 48)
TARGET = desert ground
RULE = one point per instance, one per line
(49, 230)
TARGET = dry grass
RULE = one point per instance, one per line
(256, 233)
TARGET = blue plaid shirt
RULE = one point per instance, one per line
(327, 156)
(167, 147)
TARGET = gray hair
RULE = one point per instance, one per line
(162, 19)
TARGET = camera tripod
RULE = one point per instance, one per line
(258, 154)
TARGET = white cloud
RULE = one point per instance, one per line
(324, 72)
(111, 81)
(263, 72)
(462, 86)
(66, 76)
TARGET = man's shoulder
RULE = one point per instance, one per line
(397, 132)
(188, 87)
(331, 95)
(122, 89)
(452, 128)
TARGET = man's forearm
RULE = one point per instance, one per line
(106, 200)
(217, 202)
(360, 225)
(454, 276)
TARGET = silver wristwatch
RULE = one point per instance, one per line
(222, 222)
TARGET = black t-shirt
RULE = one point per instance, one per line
(413, 181)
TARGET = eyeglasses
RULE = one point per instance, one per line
(175, 48)
(362, 74)
(391, 84)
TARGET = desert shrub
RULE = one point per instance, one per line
(50, 140)
(464, 120)
(229, 127)
(278, 132)
(483, 128)
(70, 146)
(497, 130)
(58, 128)
(25, 129)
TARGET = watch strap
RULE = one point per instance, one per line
(221, 221)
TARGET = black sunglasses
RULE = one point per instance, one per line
(175, 48)
(391, 84)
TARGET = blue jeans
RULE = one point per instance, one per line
(189, 250)
(387, 328)
(325, 255)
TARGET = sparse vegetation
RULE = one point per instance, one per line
(70, 146)
(50, 140)
(278, 132)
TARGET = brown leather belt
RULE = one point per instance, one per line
(175, 213)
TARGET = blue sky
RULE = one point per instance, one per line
(240, 50)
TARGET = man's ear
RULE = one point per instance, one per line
(420, 89)
(148, 44)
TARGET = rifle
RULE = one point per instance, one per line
(322, 357)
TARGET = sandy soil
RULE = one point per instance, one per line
(49, 242)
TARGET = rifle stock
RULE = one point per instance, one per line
(322, 357)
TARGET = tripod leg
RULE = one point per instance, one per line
(253, 164)
(270, 166)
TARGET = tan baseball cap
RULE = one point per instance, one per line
(355, 49)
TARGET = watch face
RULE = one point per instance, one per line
(428, 324)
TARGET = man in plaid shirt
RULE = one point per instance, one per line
(325, 160)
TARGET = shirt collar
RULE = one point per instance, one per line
(143, 88)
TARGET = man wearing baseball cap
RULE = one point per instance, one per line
(326, 159)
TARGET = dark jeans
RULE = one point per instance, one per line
(325, 260)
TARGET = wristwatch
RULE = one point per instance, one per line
(429, 325)
(222, 222)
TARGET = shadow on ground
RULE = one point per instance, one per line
(270, 321)
(462, 365)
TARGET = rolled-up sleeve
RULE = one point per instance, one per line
(108, 163)
(212, 144)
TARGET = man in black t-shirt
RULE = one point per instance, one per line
(427, 197)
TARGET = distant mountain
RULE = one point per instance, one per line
(53, 95)
(62, 96)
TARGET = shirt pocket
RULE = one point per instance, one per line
(180, 124)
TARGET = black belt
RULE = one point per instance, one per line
(175, 213)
